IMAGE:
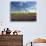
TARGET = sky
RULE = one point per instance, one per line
(23, 6)
(31, 30)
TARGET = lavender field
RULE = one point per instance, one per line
(23, 16)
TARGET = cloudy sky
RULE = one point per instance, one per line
(23, 6)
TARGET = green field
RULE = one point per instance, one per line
(23, 16)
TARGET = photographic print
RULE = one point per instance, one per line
(23, 11)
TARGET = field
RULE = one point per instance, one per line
(23, 16)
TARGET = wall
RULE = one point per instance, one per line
(30, 30)
(11, 40)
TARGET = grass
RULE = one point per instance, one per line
(23, 14)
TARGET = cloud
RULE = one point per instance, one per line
(20, 6)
